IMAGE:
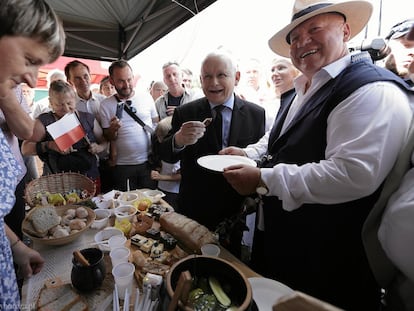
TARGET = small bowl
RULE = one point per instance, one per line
(154, 195)
(128, 198)
(125, 212)
(108, 204)
(102, 218)
(101, 203)
(105, 235)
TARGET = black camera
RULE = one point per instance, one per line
(377, 48)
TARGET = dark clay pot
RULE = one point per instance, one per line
(88, 278)
(205, 266)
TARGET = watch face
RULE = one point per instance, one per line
(262, 190)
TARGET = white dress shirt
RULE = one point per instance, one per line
(91, 105)
(365, 132)
(226, 115)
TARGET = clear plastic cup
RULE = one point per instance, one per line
(210, 250)
(119, 255)
(123, 275)
(116, 241)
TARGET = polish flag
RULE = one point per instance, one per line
(66, 131)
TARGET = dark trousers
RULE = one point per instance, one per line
(171, 198)
(139, 176)
(107, 176)
(258, 251)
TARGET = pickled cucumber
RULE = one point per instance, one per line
(221, 296)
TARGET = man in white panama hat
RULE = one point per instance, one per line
(326, 157)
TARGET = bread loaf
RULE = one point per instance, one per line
(60, 298)
(48, 295)
(44, 218)
(63, 302)
(188, 232)
(80, 305)
(28, 228)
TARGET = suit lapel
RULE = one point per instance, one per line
(237, 121)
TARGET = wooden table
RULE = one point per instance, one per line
(58, 265)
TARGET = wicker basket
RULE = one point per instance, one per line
(28, 230)
(59, 183)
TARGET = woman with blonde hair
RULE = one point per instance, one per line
(282, 75)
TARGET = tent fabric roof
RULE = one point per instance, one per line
(110, 30)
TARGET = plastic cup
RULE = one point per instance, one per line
(116, 241)
(210, 250)
(119, 255)
(123, 275)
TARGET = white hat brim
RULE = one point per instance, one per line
(357, 15)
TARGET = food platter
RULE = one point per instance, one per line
(218, 162)
(266, 292)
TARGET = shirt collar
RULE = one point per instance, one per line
(335, 68)
(229, 103)
(332, 70)
(91, 98)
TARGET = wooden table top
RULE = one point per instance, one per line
(58, 265)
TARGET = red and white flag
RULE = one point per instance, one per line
(66, 131)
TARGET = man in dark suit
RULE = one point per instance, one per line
(205, 196)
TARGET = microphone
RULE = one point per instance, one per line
(377, 48)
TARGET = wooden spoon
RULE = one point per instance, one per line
(181, 290)
(80, 258)
(188, 283)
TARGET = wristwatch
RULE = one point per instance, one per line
(261, 188)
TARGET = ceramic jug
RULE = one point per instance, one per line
(88, 276)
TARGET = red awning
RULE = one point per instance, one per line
(98, 69)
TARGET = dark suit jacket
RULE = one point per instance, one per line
(206, 196)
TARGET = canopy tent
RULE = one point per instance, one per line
(98, 69)
(110, 30)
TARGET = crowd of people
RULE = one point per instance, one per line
(329, 129)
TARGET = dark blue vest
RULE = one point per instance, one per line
(318, 248)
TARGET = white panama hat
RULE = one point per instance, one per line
(357, 14)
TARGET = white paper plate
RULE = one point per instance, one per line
(218, 162)
(266, 292)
